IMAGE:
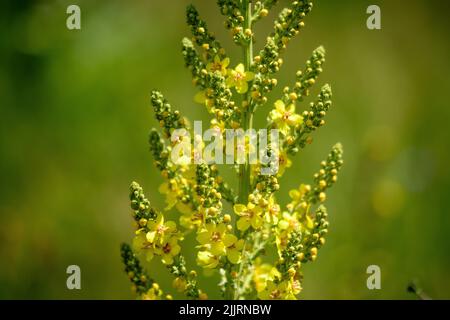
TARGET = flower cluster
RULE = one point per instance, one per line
(234, 231)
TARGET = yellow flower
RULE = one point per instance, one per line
(277, 291)
(207, 260)
(152, 294)
(211, 237)
(158, 229)
(273, 212)
(285, 118)
(263, 273)
(218, 65)
(250, 215)
(233, 248)
(143, 247)
(288, 222)
(238, 78)
(168, 249)
(298, 196)
(202, 97)
(283, 163)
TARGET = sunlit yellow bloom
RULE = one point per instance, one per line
(158, 229)
(212, 236)
(233, 248)
(263, 273)
(207, 260)
(143, 247)
(285, 118)
(272, 212)
(218, 65)
(283, 163)
(299, 199)
(250, 215)
(288, 222)
(202, 98)
(168, 250)
(238, 78)
(153, 293)
(297, 194)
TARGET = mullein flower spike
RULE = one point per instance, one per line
(233, 229)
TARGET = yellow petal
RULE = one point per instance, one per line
(167, 259)
(226, 62)
(229, 239)
(243, 224)
(234, 256)
(175, 250)
(239, 244)
(283, 224)
(218, 248)
(242, 87)
(240, 68)
(171, 226)
(151, 236)
(256, 222)
(275, 115)
(279, 106)
(291, 108)
(295, 119)
(239, 208)
(203, 237)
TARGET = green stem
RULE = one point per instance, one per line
(247, 121)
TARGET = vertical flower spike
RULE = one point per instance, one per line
(169, 120)
(289, 22)
(160, 153)
(306, 78)
(232, 240)
(140, 280)
(202, 37)
(327, 175)
(232, 10)
(313, 239)
(268, 62)
(312, 120)
(215, 95)
(141, 206)
(262, 8)
(194, 63)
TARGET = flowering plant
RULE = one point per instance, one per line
(233, 230)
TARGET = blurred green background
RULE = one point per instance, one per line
(75, 115)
